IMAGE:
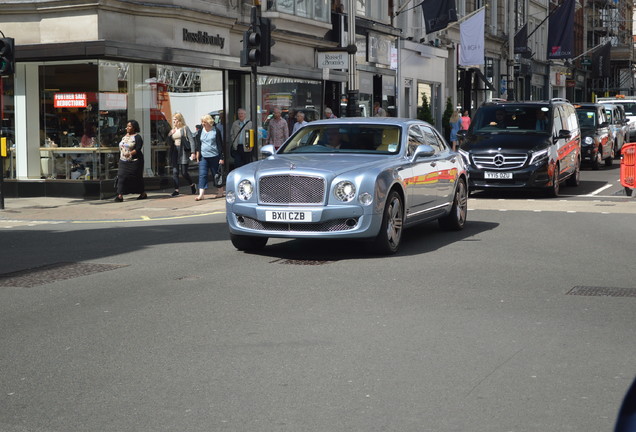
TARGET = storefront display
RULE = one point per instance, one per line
(84, 107)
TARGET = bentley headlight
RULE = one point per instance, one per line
(230, 197)
(539, 157)
(245, 190)
(345, 191)
(588, 140)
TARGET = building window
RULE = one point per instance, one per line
(318, 10)
(375, 10)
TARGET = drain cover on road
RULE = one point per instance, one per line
(602, 291)
(301, 262)
(52, 273)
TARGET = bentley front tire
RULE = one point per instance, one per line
(388, 240)
(248, 243)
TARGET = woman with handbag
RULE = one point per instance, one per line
(181, 146)
(209, 153)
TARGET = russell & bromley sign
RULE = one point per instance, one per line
(203, 38)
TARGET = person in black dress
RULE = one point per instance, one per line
(130, 172)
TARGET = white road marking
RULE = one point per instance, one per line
(599, 190)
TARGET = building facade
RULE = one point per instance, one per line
(84, 68)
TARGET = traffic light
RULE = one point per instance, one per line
(266, 41)
(7, 56)
(251, 54)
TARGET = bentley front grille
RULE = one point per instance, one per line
(500, 161)
(291, 189)
(328, 226)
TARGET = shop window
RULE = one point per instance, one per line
(85, 108)
(290, 95)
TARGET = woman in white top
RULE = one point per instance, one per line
(182, 144)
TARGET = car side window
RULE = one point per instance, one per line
(416, 138)
(430, 138)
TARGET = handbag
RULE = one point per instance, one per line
(185, 141)
(218, 177)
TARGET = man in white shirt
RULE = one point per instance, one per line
(300, 121)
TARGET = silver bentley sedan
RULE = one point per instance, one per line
(359, 178)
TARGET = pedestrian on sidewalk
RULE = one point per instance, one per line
(181, 145)
(300, 121)
(130, 172)
(465, 120)
(277, 130)
(209, 153)
(240, 149)
(455, 124)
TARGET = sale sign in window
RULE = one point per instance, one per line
(70, 100)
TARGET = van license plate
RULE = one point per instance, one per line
(287, 216)
(498, 175)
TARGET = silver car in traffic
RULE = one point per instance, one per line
(359, 178)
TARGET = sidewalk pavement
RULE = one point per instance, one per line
(158, 205)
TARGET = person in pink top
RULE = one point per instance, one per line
(278, 130)
(465, 120)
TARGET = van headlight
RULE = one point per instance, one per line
(465, 156)
(345, 191)
(539, 157)
(245, 190)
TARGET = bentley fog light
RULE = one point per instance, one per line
(365, 199)
(345, 191)
(245, 190)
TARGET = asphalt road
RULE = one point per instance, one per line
(524, 321)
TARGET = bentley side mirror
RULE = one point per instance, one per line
(267, 151)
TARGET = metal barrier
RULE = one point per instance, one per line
(628, 167)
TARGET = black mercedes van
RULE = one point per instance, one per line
(523, 145)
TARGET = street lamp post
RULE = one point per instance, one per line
(353, 110)
(511, 50)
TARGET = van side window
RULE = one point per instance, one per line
(572, 120)
(557, 122)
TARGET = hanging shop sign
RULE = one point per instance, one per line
(333, 60)
(70, 100)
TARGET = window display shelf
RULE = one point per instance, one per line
(75, 160)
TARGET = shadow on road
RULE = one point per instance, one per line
(418, 240)
(25, 249)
